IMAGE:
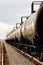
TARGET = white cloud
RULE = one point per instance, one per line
(5, 26)
(5, 29)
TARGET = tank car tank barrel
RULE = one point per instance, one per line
(39, 23)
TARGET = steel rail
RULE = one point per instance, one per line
(2, 55)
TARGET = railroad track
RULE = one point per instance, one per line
(15, 56)
(3, 55)
(34, 59)
(0, 54)
(6, 60)
(12, 58)
(34, 53)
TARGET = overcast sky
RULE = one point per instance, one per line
(11, 12)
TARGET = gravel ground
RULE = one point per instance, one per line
(15, 58)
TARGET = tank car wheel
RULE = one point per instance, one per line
(29, 50)
(41, 57)
(25, 49)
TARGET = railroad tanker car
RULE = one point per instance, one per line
(10, 38)
(29, 35)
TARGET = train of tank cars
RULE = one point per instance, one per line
(29, 35)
